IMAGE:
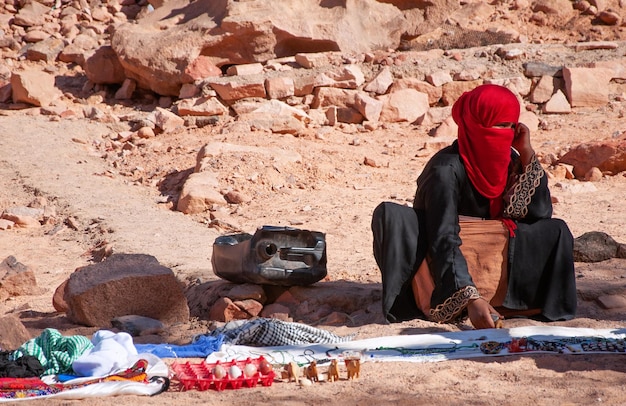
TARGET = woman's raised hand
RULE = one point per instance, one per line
(521, 142)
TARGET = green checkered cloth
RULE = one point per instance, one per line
(55, 352)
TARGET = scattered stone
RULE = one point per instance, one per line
(199, 192)
(246, 69)
(167, 121)
(248, 291)
(224, 310)
(145, 132)
(557, 104)
(404, 105)
(381, 82)
(434, 92)
(137, 326)
(587, 87)
(34, 87)
(280, 87)
(539, 69)
(126, 90)
(593, 175)
(236, 197)
(238, 89)
(13, 334)
(608, 156)
(543, 90)
(25, 217)
(188, 90)
(102, 66)
(370, 162)
(200, 68)
(201, 106)
(609, 17)
(6, 224)
(16, 279)
(250, 306)
(312, 60)
(369, 107)
(610, 302)
(439, 78)
(47, 50)
(595, 246)
(591, 45)
(276, 311)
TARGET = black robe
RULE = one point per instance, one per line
(540, 258)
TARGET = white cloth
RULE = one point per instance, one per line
(426, 347)
(110, 353)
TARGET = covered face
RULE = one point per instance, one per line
(486, 117)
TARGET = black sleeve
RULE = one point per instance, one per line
(527, 198)
(439, 190)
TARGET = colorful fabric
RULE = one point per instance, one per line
(54, 351)
(139, 379)
(485, 149)
(136, 373)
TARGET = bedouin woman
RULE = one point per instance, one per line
(490, 172)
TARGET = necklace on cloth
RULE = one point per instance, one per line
(428, 350)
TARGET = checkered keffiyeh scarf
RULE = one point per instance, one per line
(55, 352)
(263, 332)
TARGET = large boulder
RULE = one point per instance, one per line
(157, 50)
(125, 284)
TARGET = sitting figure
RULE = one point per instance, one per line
(489, 173)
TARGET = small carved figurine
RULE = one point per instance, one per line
(311, 372)
(498, 321)
(292, 371)
(354, 368)
(333, 371)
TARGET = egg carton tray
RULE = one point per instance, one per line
(200, 375)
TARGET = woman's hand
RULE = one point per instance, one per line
(480, 311)
(521, 142)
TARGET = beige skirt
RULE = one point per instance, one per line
(484, 246)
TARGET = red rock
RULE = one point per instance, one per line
(125, 284)
(608, 156)
(34, 87)
(200, 68)
(58, 301)
(102, 66)
(12, 333)
(276, 311)
(250, 306)
(17, 279)
(225, 310)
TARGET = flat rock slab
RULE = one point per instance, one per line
(125, 284)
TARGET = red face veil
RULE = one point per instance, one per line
(485, 149)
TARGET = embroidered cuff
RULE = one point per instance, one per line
(452, 307)
(519, 196)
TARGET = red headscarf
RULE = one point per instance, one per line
(485, 150)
